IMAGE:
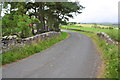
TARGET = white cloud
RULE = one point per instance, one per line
(98, 11)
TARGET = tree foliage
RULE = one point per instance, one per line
(47, 15)
(19, 25)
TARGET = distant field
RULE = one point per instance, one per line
(90, 25)
(113, 33)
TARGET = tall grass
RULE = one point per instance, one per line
(110, 56)
(19, 53)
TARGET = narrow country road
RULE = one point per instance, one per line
(74, 57)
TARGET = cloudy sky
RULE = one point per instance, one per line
(98, 11)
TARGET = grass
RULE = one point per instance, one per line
(23, 52)
(113, 33)
(109, 55)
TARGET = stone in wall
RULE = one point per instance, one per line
(105, 37)
(9, 41)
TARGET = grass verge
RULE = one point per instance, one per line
(23, 52)
(109, 54)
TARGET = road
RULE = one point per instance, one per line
(74, 57)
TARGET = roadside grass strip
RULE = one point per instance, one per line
(27, 50)
(109, 54)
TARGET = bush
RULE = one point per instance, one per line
(17, 24)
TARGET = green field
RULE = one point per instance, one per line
(113, 33)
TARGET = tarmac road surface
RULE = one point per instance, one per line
(74, 57)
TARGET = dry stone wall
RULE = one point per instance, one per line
(8, 42)
(107, 38)
(81, 30)
(102, 35)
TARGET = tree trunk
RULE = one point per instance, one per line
(41, 15)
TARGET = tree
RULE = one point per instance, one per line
(48, 16)
(51, 14)
(16, 21)
(17, 26)
(59, 12)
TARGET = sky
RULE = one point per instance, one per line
(97, 11)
